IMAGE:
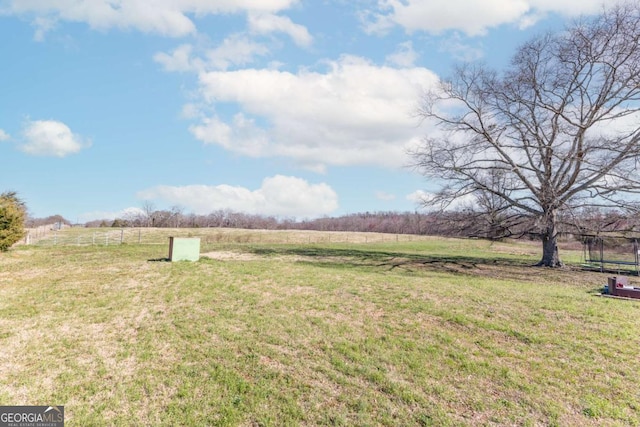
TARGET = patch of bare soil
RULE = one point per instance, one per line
(231, 256)
(245, 256)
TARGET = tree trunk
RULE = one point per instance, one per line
(550, 255)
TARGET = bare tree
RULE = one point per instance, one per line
(177, 214)
(561, 124)
(148, 208)
(492, 216)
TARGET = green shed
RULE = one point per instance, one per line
(184, 249)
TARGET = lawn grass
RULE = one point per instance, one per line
(441, 332)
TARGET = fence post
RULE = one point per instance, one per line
(121, 235)
(139, 235)
(55, 238)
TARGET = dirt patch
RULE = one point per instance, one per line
(231, 256)
(247, 256)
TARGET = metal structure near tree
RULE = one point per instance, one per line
(612, 252)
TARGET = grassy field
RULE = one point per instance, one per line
(77, 236)
(440, 332)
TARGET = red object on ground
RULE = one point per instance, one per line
(619, 286)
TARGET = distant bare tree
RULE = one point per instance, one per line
(597, 221)
(561, 124)
(177, 213)
(50, 220)
(148, 208)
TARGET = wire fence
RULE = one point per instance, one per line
(159, 236)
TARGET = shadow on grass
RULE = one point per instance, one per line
(159, 260)
(498, 267)
(409, 262)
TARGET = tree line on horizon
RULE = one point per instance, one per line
(469, 222)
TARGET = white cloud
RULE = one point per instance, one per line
(469, 16)
(4, 136)
(461, 50)
(623, 125)
(279, 195)
(50, 138)
(419, 196)
(235, 50)
(423, 200)
(180, 59)
(354, 113)
(43, 25)
(269, 23)
(191, 111)
(530, 20)
(572, 7)
(404, 56)
(166, 17)
(241, 136)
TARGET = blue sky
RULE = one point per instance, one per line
(276, 107)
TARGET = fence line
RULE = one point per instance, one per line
(35, 234)
(108, 237)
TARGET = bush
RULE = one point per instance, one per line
(12, 218)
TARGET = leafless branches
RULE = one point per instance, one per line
(560, 126)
